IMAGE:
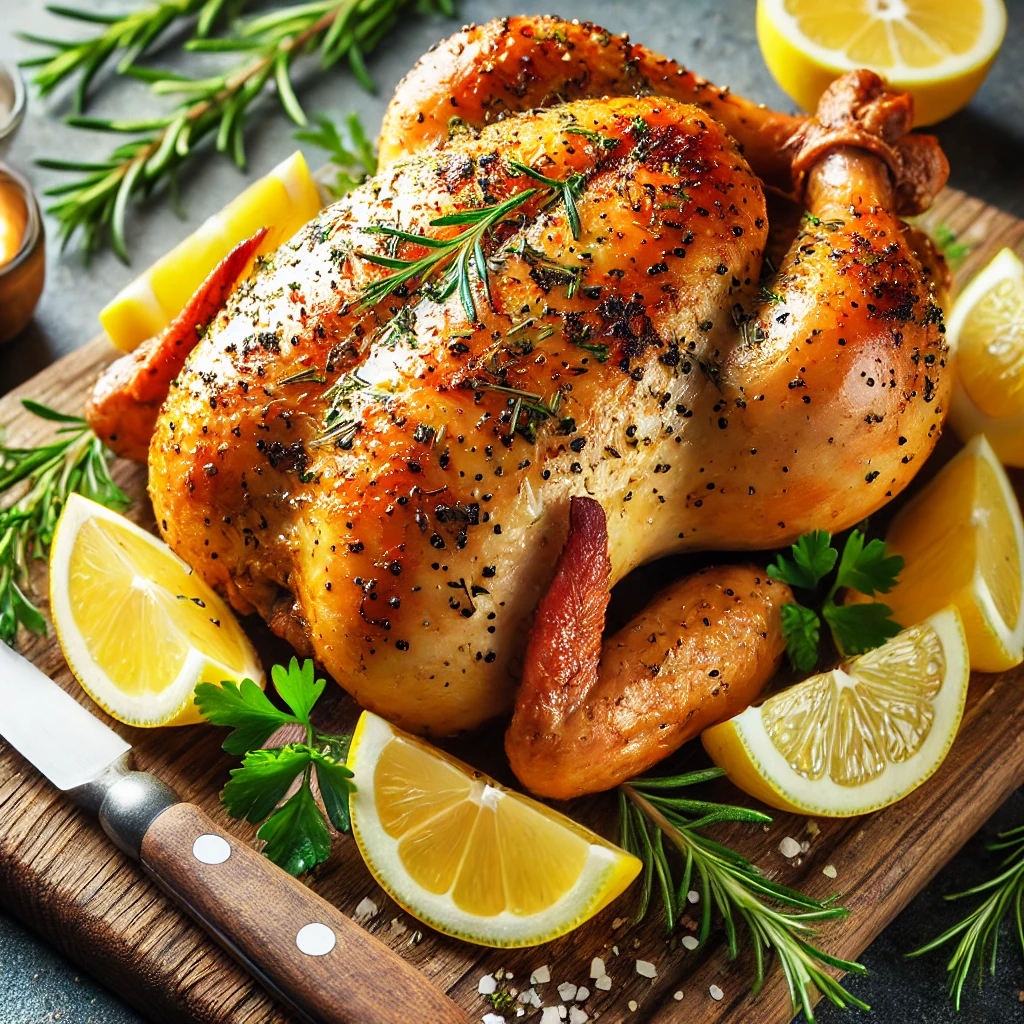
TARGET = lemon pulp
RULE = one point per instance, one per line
(467, 856)
(859, 737)
(938, 50)
(138, 628)
(962, 539)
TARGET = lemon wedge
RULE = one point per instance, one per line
(859, 737)
(139, 629)
(470, 858)
(986, 331)
(281, 201)
(937, 50)
(962, 539)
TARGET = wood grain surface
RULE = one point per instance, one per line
(59, 874)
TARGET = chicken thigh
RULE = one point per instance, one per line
(375, 442)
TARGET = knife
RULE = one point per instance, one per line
(321, 964)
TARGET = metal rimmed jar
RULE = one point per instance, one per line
(22, 276)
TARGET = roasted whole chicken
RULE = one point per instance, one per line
(564, 285)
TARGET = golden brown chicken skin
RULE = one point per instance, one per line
(397, 474)
(487, 72)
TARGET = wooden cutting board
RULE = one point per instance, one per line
(60, 875)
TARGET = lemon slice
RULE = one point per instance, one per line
(859, 737)
(281, 201)
(470, 858)
(937, 50)
(962, 539)
(986, 330)
(139, 629)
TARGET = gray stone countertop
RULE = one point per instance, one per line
(985, 144)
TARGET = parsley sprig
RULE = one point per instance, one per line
(857, 627)
(979, 930)
(656, 820)
(295, 832)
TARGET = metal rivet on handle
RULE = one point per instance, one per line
(211, 849)
(315, 939)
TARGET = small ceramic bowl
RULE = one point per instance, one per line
(21, 278)
(12, 103)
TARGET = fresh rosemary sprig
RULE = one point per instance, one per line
(452, 262)
(75, 460)
(355, 158)
(654, 819)
(96, 204)
(458, 257)
(979, 930)
(127, 35)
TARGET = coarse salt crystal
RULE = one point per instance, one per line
(577, 1016)
(541, 976)
(549, 1015)
(678, 996)
(365, 909)
(632, 1005)
(487, 985)
(615, 950)
(398, 927)
(604, 983)
(597, 968)
(581, 993)
(530, 996)
(789, 847)
(829, 871)
(690, 941)
(567, 991)
(520, 1012)
(812, 829)
(693, 896)
(562, 1012)
(618, 923)
(715, 992)
(646, 969)
(493, 1018)
(805, 846)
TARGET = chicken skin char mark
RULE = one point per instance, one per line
(399, 474)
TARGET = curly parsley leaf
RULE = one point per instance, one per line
(813, 558)
(245, 708)
(295, 832)
(856, 627)
(802, 630)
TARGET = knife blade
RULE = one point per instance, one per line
(301, 948)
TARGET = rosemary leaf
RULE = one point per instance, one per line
(74, 460)
(655, 819)
(978, 931)
(216, 106)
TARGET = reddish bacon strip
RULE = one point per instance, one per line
(589, 716)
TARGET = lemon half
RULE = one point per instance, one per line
(859, 737)
(986, 332)
(962, 539)
(281, 201)
(470, 858)
(937, 50)
(139, 629)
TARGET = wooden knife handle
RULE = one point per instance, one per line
(304, 950)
